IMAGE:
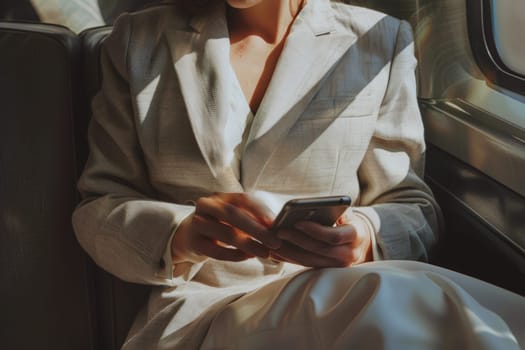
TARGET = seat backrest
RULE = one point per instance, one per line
(19, 10)
(118, 301)
(45, 276)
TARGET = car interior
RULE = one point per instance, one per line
(55, 297)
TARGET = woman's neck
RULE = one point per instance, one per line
(269, 20)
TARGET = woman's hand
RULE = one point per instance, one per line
(315, 245)
(226, 226)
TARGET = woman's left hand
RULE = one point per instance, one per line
(314, 245)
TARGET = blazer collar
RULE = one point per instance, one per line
(200, 53)
(313, 48)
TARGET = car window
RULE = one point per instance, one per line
(508, 19)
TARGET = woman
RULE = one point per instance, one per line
(209, 120)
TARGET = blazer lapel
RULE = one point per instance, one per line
(311, 52)
(201, 60)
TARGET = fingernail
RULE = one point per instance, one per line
(268, 221)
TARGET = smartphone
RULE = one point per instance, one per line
(324, 210)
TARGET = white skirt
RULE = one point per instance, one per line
(379, 305)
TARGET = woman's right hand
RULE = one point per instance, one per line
(226, 226)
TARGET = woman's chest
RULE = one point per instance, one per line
(253, 62)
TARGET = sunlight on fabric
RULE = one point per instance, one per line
(146, 95)
(481, 327)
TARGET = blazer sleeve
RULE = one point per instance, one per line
(391, 172)
(119, 222)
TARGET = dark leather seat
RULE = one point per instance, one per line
(17, 10)
(45, 276)
(53, 296)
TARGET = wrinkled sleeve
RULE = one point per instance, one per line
(402, 211)
(120, 222)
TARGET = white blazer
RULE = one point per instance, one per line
(340, 116)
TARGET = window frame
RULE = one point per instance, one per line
(483, 45)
